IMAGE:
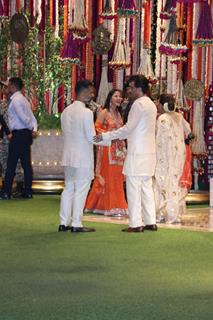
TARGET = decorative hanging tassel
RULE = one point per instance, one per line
(180, 99)
(104, 87)
(39, 12)
(121, 55)
(127, 9)
(107, 12)
(171, 45)
(1, 9)
(56, 19)
(204, 35)
(79, 26)
(168, 10)
(199, 149)
(145, 67)
(70, 50)
(189, 1)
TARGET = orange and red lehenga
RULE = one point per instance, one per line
(107, 193)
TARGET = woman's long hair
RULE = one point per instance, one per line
(109, 98)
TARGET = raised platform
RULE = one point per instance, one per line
(56, 187)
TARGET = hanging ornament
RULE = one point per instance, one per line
(70, 50)
(194, 89)
(79, 26)
(107, 12)
(180, 98)
(169, 9)
(145, 67)
(121, 55)
(19, 28)
(204, 35)
(127, 9)
(101, 43)
(171, 45)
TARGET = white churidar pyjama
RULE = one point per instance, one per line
(141, 201)
(77, 184)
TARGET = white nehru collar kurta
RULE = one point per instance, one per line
(78, 131)
(140, 134)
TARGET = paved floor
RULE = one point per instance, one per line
(197, 219)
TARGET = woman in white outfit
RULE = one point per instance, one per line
(172, 129)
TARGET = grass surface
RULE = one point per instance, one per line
(107, 275)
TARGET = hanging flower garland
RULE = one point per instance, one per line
(104, 87)
(2, 10)
(38, 11)
(189, 1)
(121, 55)
(170, 46)
(127, 9)
(70, 52)
(146, 68)
(79, 26)
(168, 10)
(180, 98)
(199, 146)
(107, 12)
(204, 35)
(158, 41)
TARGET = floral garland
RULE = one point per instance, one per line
(127, 9)
(172, 49)
(121, 55)
(107, 12)
(79, 26)
(70, 51)
(178, 60)
(158, 40)
(204, 34)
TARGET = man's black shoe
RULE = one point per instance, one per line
(4, 196)
(63, 228)
(27, 195)
(130, 229)
(151, 227)
(82, 229)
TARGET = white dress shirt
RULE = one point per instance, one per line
(20, 114)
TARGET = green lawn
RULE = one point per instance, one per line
(107, 275)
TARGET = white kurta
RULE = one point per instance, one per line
(140, 134)
(172, 129)
(78, 131)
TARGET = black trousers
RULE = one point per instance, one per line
(19, 148)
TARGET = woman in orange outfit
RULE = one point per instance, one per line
(107, 193)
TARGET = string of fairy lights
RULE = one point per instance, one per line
(47, 163)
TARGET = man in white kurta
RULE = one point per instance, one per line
(139, 165)
(77, 159)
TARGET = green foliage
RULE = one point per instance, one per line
(47, 121)
(29, 54)
(38, 62)
(5, 42)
